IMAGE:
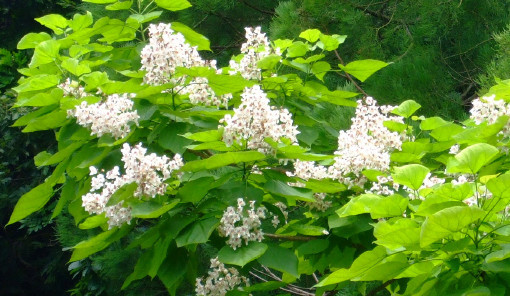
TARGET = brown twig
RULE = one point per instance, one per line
(380, 288)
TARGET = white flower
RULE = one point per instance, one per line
(255, 120)
(240, 224)
(220, 280)
(149, 173)
(112, 116)
(490, 109)
(254, 49)
(168, 50)
(367, 144)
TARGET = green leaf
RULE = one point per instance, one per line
(45, 52)
(73, 65)
(172, 270)
(121, 5)
(48, 121)
(432, 123)
(297, 49)
(243, 255)
(406, 109)
(269, 62)
(94, 80)
(411, 175)
(362, 264)
(31, 40)
(170, 138)
(207, 136)
(446, 132)
(394, 234)
(319, 69)
(125, 192)
(447, 221)
(93, 222)
(100, 1)
(97, 243)
(198, 232)
(281, 259)
(315, 246)
(282, 189)
(150, 261)
(149, 210)
(56, 22)
(144, 18)
(377, 206)
(40, 99)
(310, 35)
(472, 158)
(81, 21)
(195, 190)
(330, 42)
(57, 157)
(363, 69)
(498, 255)
(310, 230)
(173, 5)
(192, 37)
(66, 195)
(500, 186)
(31, 201)
(38, 82)
(226, 84)
(220, 160)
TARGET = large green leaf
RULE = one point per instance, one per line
(310, 35)
(173, 5)
(38, 82)
(282, 189)
(31, 201)
(472, 159)
(406, 108)
(396, 234)
(148, 209)
(377, 206)
(150, 261)
(448, 221)
(73, 65)
(243, 255)
(363, 69)
(411, 175)
(45, 52)
(31, 40)
(281, 259)
(362, 264)
(192, 37)
(55, 22)
(198, 232)
(220, 160)
(195, 190)
(97, 243)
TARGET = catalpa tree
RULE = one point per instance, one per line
(164, 151)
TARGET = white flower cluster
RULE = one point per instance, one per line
(72, 89)
(168, 50)
(148, 171)
(367, 144)
(239, 224)
(109, 117)
(254, 49)
(220, 280)
(255, 120)
(283, 208)
(382, 186)
(490, 109)
(310, 170)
